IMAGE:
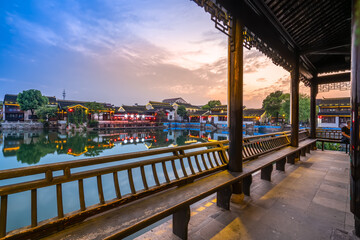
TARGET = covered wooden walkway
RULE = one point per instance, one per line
(310, 200)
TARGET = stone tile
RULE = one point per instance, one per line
(334, 189)
(349, 219)
(333, 196)
(326, 214)
(337, 179)
(330, 203)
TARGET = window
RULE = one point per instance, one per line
(344, 119)
(328, 120)
(222, 119)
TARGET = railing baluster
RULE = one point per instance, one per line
(219, 163)
(211, 163)
(33, 208)
(81, 195)
(204, 162)
(198, 164)
(100, 189)
(143, 176)
(59, 200)
(3, 215)
(116, 184)
(165, 172)
(191, 166)
(131, 181)
(174, 169)
(183, 167)
(155, 174)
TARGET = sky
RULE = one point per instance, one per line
(124, 52)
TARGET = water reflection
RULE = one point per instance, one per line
(29, 148)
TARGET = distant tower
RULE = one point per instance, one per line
(64, 94)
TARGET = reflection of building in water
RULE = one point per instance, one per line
(333, 112)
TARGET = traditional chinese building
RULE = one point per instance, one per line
(155, 107)
(136, 112)
(171, 101)
(12, 111)
(333, 112)
(67, 106)
(253, 115)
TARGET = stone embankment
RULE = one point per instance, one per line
(21, 125)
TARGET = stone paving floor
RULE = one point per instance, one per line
(310, 200)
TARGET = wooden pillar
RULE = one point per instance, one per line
(355, 128)
(235, 92)
(313, 93)
(294, 103)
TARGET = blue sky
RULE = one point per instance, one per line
(123, 52)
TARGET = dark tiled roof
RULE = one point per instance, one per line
(161, 105)
(52, 100)
(253, 112)
(172, 100)
(69, 103)
(187, 105)
(10, 98)
(333, 102)
(134, 109)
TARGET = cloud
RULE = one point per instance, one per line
(33, 31)
(261, 80)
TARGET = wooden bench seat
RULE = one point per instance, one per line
(125, 220)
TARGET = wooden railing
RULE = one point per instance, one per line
(153, 171)
(328, 134)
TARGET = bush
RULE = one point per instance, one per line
(329, 146)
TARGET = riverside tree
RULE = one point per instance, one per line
(304, 107)
(181, 111)
(272, 104)
(95, 107)
(31, 100)
(211, 104)
(46, 112)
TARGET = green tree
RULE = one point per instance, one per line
(160, 116)
(46, 112)
(77, 116)
(272, 104)
(31, 100)
(304, 107)
(181, 111)
(211, 104)
(95, 107)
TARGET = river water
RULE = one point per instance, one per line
(30, 148)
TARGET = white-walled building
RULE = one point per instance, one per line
(333, 112)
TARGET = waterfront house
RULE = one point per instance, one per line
(12, 111)
(333, 112)
(153, 106)
(136, 112)
(253, 115)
